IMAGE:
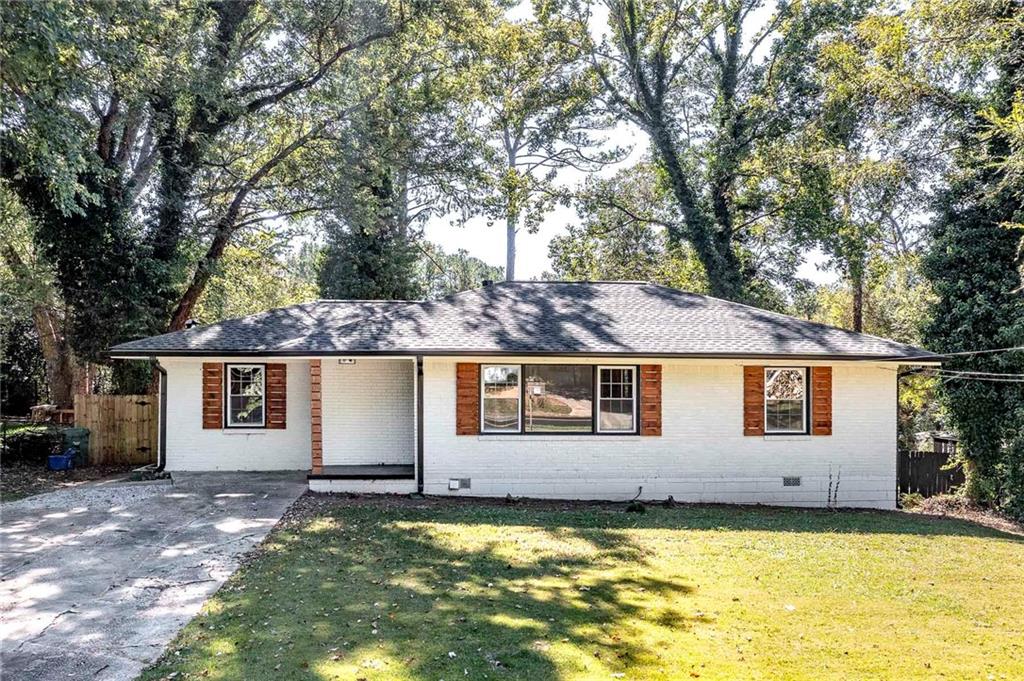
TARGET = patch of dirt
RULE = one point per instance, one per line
(18, 481)
(949, 506)
(312, 504)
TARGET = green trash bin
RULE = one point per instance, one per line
(79, 437)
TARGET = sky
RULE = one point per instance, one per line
(487, 242)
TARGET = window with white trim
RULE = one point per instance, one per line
(499, 398)
(245, 389)
(785, 400)
(538, 399)
(616, 403)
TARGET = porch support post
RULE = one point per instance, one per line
(316, 433)
(419, 424)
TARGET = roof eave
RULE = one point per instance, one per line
(916, 360)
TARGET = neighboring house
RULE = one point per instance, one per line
(540, 389)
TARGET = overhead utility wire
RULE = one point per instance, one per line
(980, 374)
(940, 355)
(947, 378)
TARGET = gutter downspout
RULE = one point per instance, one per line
(419, 424)
(161, 449)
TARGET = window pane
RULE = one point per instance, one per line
(784, 415)
(245, 396)
(615, 412)
(784, 391)
(616, 415)
(247, 409)
(501, 398)
(784, 384)
(559, 398)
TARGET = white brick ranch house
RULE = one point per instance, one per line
(540, 389)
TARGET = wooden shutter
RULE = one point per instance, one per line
(753, 400)
(213, 395)
(821, 400)
(277, 395)
(650, 399)
(467, 398)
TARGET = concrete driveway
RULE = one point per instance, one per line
(96, 580)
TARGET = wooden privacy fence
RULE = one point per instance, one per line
(122, 428)
(925, 473)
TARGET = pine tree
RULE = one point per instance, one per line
(365, 263)
(371, 249)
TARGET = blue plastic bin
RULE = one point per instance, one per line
(62, 462)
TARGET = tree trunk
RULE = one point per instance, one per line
(714, 250)
(204, 272)
(510, 247)
(61, 376)
(225, 229)
(857, 283)
(65, 377)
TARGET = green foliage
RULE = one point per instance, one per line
(910, 500)
(364, 263)
(22, 367)
(141, 137)
(31, 445)
(1011, 471)
(715, 91)
(59, 59)
(897, 300)
(258, 273)
(371, 252)
(95, 259)
(443, 273)
(973, 264)
(534, 115)
(623, 235)
(897, 304)
(131, 377)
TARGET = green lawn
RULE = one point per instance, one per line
(356, 589)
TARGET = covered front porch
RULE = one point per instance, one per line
(364, 420)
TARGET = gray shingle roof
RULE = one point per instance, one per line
(590, 318)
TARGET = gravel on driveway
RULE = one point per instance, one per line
(95, 580)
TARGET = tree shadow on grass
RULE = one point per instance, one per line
(372, 595)
(441, 591)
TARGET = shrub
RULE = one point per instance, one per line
(30, 445)
(1012, 498)
(910, 500)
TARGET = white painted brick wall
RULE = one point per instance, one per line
(363, 486)
(191, 448)
(702, 454)
(368, 411)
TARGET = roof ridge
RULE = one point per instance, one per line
(633, 282)
(364, 300)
